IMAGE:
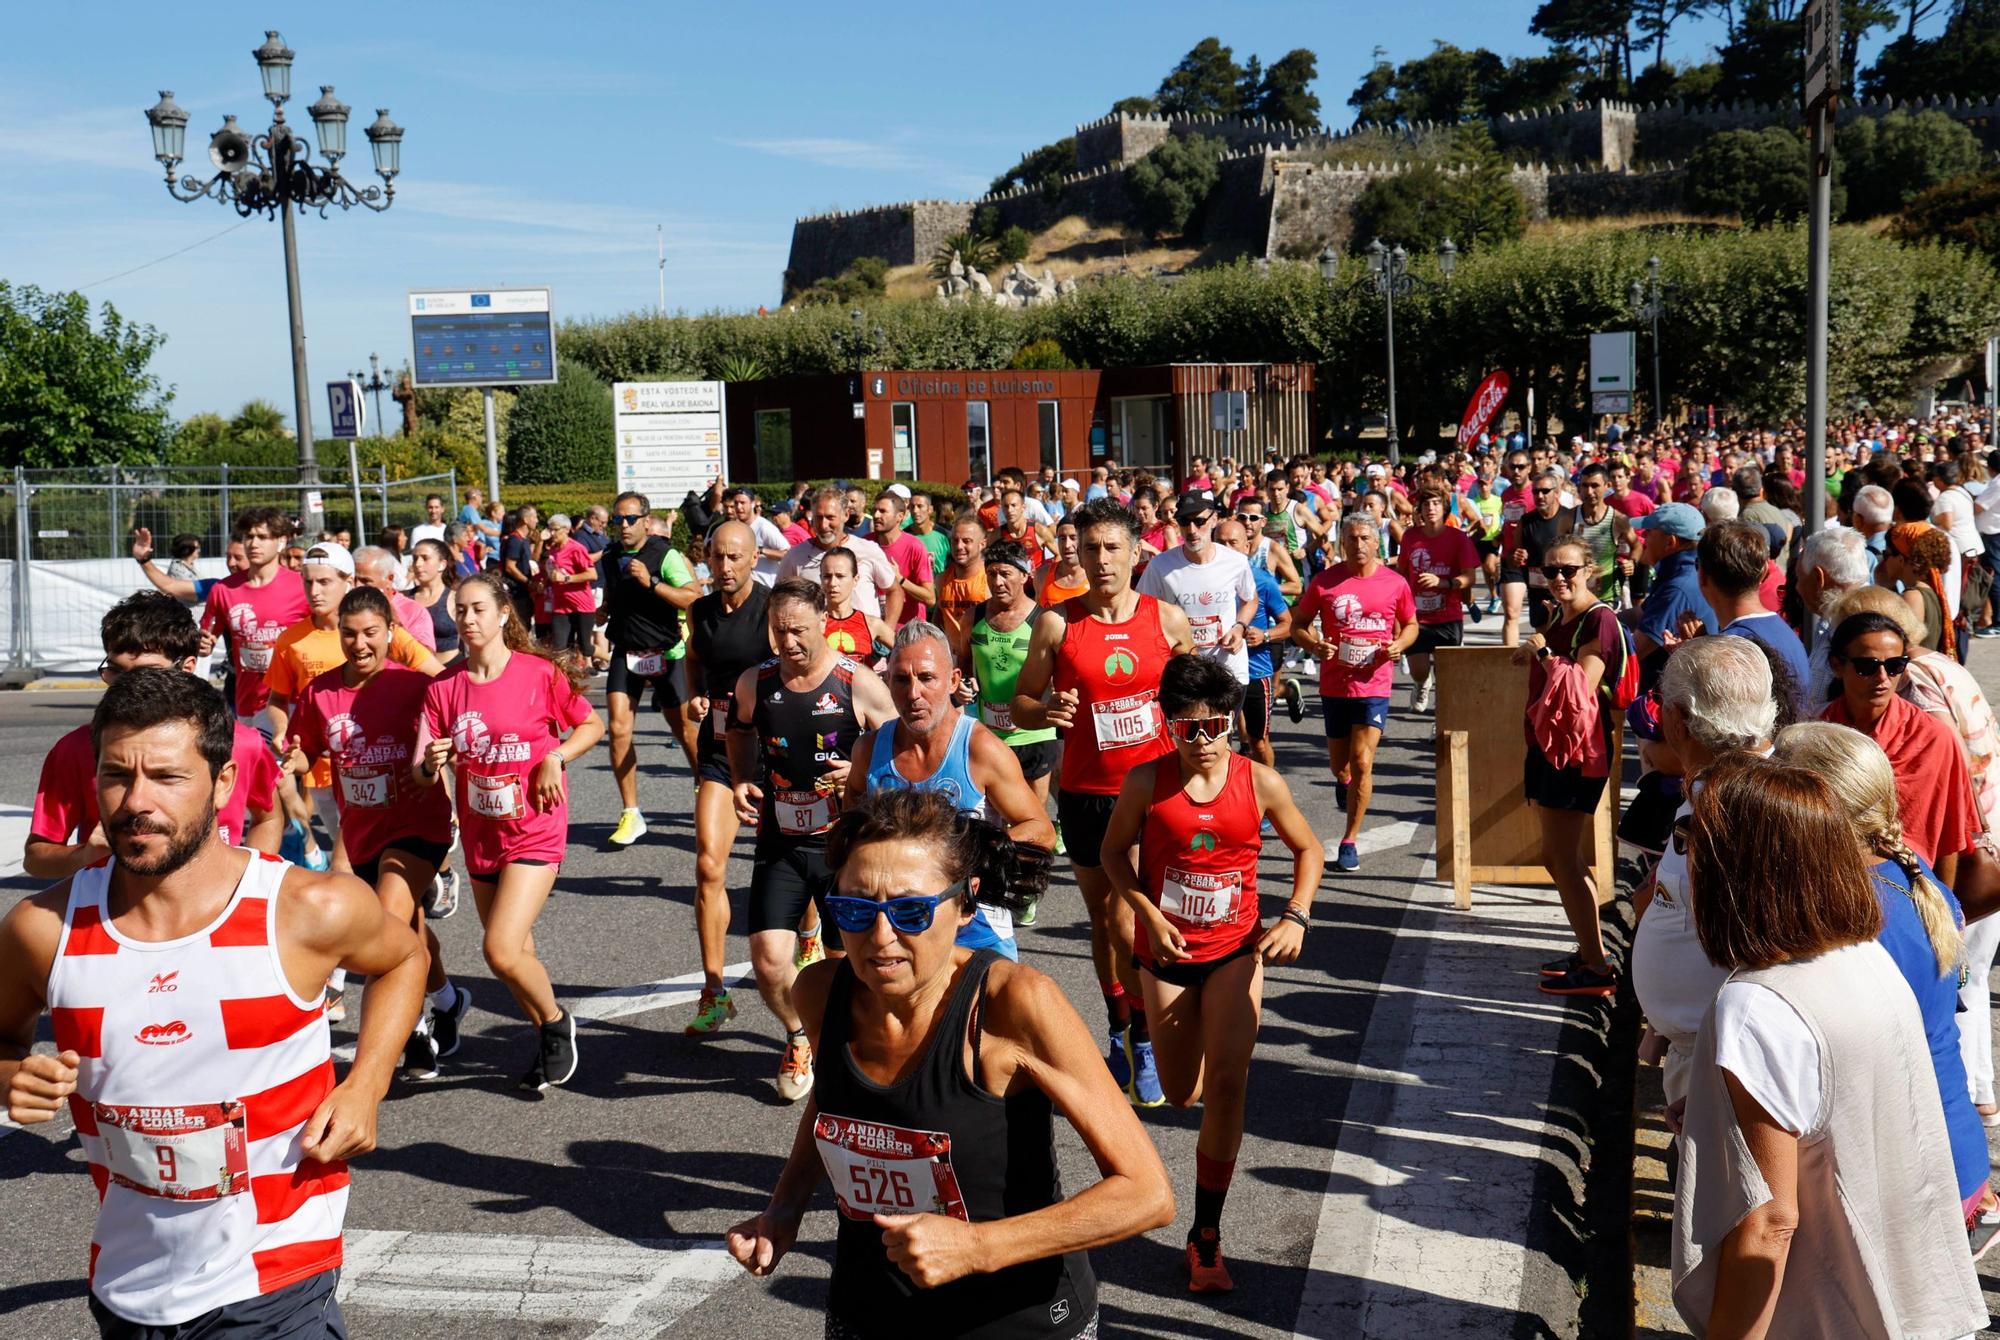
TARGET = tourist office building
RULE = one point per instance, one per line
(950, 427)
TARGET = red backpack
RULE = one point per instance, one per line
(1625, 692)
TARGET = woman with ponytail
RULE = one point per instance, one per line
(1920, 922)
(498, 717)
(1920, 556)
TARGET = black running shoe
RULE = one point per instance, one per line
(420, 1054)
(1556, 967)
(559, 1049)
(444, 1023)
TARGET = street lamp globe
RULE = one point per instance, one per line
(385, 137)
(274, 62)
(1447, 258)
(1329, 264)
(1378, 256)
(329, 117)
(1635, 293)
(169, 122)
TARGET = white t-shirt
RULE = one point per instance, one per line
(1212, 594)
(1760, 1039)
(766, 535)
(1986, 509)
(1953, 511)
(1671, 973)
(878, 576)
(427, 531)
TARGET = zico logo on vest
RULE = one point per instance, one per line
(1203, 840)
(1120, 667)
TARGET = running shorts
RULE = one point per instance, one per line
(1084, 816)
(1257, 700)
(620, 679)
(1431, 636)
(783, 879)
(1037, 759)
(424, 849)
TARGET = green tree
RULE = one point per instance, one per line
(1249, 86)
(1761, 62)
(75, 394)
(1600, 30)
(1654, 19)
(1963, 59)
(1285, 93)
(1013, 245)
(1964, 210)
(1169, 186)
(1888, 163)
(1044, 167)
(1489, 211)
(1205, 81)
(563, 431)
(1136, 105)
(1476, 206)
(1761, 175)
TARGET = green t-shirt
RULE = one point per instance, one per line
(936, 541)
(674, 571)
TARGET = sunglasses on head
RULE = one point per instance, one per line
(1866, 666)
(1566, 571)
(909, 914)
(1198, 730)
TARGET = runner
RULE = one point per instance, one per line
(1015, 524)
(1063, 578)
(642, 607)
(1367, 618)
(363, 715)
(219, 1159)
(570, 571)
(996, 651)
(1606, 529)
(66, 833)
(945, 1068)
(497, 716)
(1527, 541)
(923, 525)
(852, 633)
(1517, 499)
(434, 576)
(962, 588)
(935, 745)
(1440, 563)
(911, 555)
(801, 710)
(728, 635)
(1196, 816)
(1270, 628)
(881, 591)
(1102, 654)
(1212, 584)
(256, 606)
(377, 567)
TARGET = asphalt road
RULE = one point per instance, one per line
(597, 1210)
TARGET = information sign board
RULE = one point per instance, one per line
(669, 438)
(482, 337)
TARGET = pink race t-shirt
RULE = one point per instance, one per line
(500, 732)
(1355, 614)
(1631, 502)
(1445, 554)
(256, 616)
(66, 798)
(913, 561)
(414, 619)
(571, 597)
(370, 732)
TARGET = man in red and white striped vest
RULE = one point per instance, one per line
(183, 978)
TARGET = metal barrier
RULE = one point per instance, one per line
(66, 540)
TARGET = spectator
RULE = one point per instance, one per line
(186, 550)
(1920, 558)
(591, 532)
(1874, 513)
(1674, 607)
(1730, 562)
(1809, 1201)
(432, 526)
(1719, 505)
(1832, 562)
(1747, 483)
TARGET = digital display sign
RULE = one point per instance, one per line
(482, 337)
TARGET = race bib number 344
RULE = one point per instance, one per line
(881, 1169)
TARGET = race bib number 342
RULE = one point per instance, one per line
(882, 1169)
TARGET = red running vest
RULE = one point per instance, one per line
(1115, 670)
(1198, 862)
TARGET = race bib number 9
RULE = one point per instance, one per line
(367, 788)
(801, 812)
(194, 1152)
(878, 1169)
(254, 659)
(1200, 899)
(1124, 722)
(644, 664)
(496, 797)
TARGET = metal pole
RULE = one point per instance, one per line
(492, 449)
(354, 487)
(112, 494)
(227, 526)
(1993, 393)
(451, 497)
(382, 470)
(23, 585)
(1389, 300)
(312, 520)
(1819, 226)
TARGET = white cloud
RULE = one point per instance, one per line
(850, 155)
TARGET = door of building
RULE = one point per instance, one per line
(1143, 431)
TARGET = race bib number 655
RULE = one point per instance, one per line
(881, 1169)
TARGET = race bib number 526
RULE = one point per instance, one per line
(881, 1169)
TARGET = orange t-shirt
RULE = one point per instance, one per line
(958, 599)
(1054, 593)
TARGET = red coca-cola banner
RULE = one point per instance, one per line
(1479, 411)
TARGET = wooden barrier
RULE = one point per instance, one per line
(1486, 831)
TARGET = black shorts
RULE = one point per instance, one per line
(307, 1310)
(1556, 788)
(493, 876)
(1257, 700)
(711, 756)
(620, 679)
(424, 849)
(1037, 759)
(1084, 817)
(1190, 975)
(784, 877)
(1485, 548)
(1431, 636)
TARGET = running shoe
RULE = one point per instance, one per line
(811, 949)
(631, 827)
(559, 1050)
(1030, 910)
(795, 1072)
(420, 1053)
(1294, 698)
(537, 1078)
(1493, 604)
(444, 1023)
(1349, 857)
(1989, 1114)
(714, 1010)
(318, 859)
(1581, 981)
(1420, 697)
(441, 899)
(1146, 1091)
(1473, 611)
(1980, 1238)
(1556, 967)
(336, 1006)
(1062, 848)
(1206, 1273)
(1120, 1061)
(1990, 630)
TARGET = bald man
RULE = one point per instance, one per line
(377, 567)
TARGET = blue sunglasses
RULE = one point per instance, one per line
(911, 914)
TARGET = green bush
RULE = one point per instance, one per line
(1761, 176)
(1965, 210)
(1012, 245)
(1888, 163)
(1042, 355)
(1169, 186)
(563, 431)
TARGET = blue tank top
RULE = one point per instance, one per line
(990, 927)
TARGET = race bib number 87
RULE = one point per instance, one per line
(880, 1169)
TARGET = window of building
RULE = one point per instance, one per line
(1048, 415)
(903, 431)
(978, 441)
(774, 444)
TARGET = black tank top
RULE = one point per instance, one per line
(802, 735)
(936, 1142)
(728, 643)
(444, 628)
(1539, 533)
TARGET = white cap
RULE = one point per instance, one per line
(329, 554)
(900, 490)
(1072, 484)
(1377, 471)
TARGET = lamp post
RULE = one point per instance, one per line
(273, 174)
(373, 385)
(1389, 276)
(1651, 301)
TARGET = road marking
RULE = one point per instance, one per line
(629, 1288)
(14, 821)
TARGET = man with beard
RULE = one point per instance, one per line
(186, 1051)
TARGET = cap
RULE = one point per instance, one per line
(560, 519)
(1192, 505)
(1377, 471)
(1072, 484)
(1676, 519)
(900, 490)
(332, 555)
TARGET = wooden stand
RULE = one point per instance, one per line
(1486, 831)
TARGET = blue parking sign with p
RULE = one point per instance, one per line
(343, 403)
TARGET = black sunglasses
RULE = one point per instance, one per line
(1566, 571)
(1866, 666)
(629, 518)
(1543, 493)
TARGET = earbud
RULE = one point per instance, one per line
(503, 618)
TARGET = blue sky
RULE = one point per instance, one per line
(546, 141)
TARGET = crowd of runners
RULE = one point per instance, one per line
(921, 708)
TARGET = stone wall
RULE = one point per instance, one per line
(1601, 133)
(1312, 204)
(825, 244)
(1572, 194)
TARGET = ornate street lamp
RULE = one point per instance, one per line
(374, 385)
(273, 174)
(1389, 276)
